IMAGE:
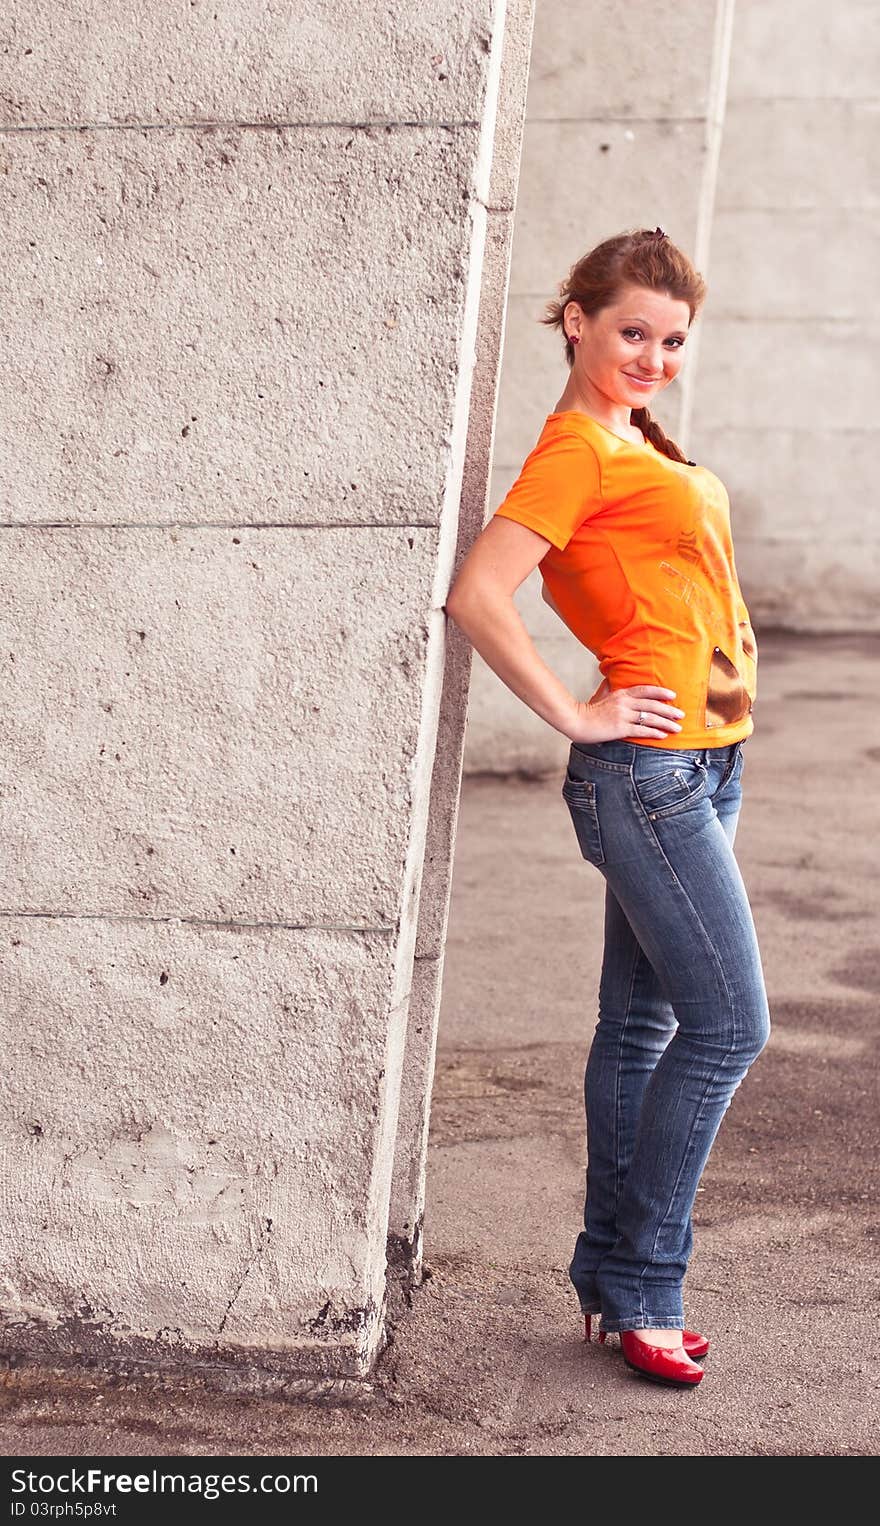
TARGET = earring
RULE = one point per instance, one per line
(574, 338)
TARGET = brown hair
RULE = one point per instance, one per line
(639, 257)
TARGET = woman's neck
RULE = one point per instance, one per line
(627, 431)
(618, 420)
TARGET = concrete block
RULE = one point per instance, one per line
(787, 154)
(227, 326)
(185, 1148)
(607, 176)
(116, 62)
(517, 49)
(440, 838)
(602, 61)
(785, 374)
(816, 53)
(407, 1199)
(231, 333)
(192, 726)
(808, 263)
(407, 1205)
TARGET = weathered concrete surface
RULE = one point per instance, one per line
(242, 304)
(185, 340)
(116, 62)
(201, 946)
(192, 683)
(489, 1359)
(406, 1210)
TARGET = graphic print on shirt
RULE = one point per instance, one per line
(731, 681)
(727, 699)
(688, 546)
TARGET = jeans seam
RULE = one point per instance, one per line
(728, 772)
(690, 1145)
(617, 1098)
(676, 806)
(661, 850)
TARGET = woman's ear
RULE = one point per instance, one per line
(571, 312)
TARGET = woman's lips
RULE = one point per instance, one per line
(649, 381)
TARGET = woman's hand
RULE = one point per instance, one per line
(616, 715)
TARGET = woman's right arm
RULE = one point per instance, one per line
(481, 604)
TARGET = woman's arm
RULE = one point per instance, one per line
(481, 604)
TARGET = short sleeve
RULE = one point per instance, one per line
(559, 487)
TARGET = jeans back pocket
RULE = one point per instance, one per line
(580, 797)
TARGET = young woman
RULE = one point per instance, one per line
(634, 545)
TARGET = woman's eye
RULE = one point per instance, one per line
(626, 333)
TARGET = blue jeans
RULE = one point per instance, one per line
(682, 1011)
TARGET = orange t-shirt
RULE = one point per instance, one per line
(641, 568)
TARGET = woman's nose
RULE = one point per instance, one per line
(651, 360)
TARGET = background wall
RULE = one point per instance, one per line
(784, 405)
(748, 131)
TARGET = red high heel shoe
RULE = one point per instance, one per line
(663, 1364)
(695, 1345)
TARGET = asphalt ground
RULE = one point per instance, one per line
(486, 1356)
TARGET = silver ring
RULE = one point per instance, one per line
(641, 719)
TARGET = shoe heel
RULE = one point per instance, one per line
(588, 1330)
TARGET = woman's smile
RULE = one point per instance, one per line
(642, 381)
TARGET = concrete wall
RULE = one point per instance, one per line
(408, 1187)
(244, 256)
(749, 132)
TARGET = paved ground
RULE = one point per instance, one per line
(784, 1278)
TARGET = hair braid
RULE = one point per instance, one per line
(653, 432)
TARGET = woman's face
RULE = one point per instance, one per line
(633, 349)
